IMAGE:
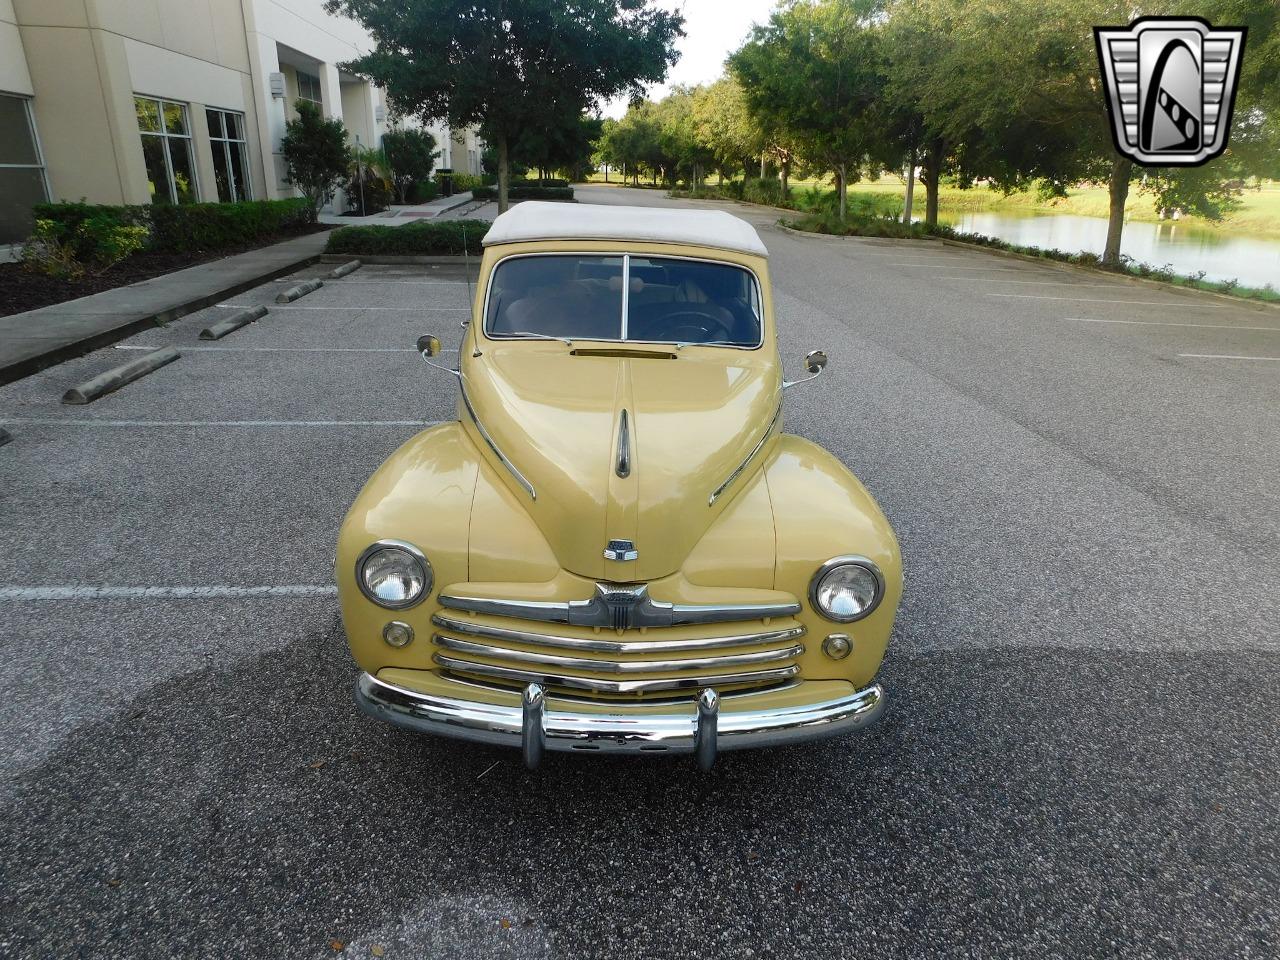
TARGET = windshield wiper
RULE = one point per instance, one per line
(530, 335)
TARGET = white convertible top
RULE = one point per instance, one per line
(535, 220)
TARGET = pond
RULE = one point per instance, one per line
(1254, 261)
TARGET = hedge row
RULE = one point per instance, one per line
(524, 193)
(189, 226)
(411, 240)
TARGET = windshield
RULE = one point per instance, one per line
(581, 297)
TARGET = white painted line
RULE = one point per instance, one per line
(1224, 356)
(351, 307)
(1148, 303)
(1170, 323)
(438, 283)
(130, 346)
(1044, 283)
(224, 423)
(163, 593)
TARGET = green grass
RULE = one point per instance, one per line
(1259, 214)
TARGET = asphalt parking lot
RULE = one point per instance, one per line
(1080, 756)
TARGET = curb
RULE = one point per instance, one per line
(234, 322)
(5, 436)
(301, 290)
(115, 378)
(390, 259)
(24, 368)
(1043, 261)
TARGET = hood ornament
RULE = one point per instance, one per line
(621, 550)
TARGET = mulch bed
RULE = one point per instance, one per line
(22, 290)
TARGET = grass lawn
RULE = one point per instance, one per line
(1259, 214)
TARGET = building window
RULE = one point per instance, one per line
(166, 146)
(22, 179)
(230, 163)
(309, 87)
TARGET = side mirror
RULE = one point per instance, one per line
(429, 346)
(815, 361)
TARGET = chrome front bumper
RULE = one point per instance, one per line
(535, 725)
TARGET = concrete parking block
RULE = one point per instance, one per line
(301, 290)
(237, 320)
(115, 378)
(351, 266)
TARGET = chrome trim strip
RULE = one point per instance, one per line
(598, 645)
(619, 666)
(612, 686)
(623, 468)
(620, 607)
(674, 730)
(715, 495)
(857, 560)
(502, 457)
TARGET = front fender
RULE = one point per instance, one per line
(423, 494)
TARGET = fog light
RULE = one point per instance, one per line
(397, 633)
(837, 646)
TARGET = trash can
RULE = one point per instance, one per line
(445, 178)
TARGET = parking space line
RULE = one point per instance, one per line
(1043, 283)
(1224, 356)
(50, 422)
(344, 282)
(1148, 303)
(1171, 323)
(163, 593)
(130, 346)
(350, 306)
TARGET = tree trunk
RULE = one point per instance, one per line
(504, 173)
(842, 186)
(762, 156)
(786, 178)
(911, 187)
(1118, 192)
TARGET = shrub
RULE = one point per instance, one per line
(63, 252)
(766, 191)
(369, 181)
(414, 239)
(315, 154)
(522, 192)
(410, 154)
(423, 191)
(213, 226)
(65, 220)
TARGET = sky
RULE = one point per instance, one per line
(713, 29)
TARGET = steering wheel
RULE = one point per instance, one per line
(693, 326)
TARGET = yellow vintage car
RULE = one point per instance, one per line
(615, 548)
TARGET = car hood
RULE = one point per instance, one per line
(555, 412)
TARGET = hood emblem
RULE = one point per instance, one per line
(623, 466)
(621, 550)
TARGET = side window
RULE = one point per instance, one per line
(166, 147)
(230, 160)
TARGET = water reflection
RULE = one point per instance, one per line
(1254, 261)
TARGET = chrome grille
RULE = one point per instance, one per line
(525, 648)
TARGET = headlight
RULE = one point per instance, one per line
(393, 574)
(846, 588)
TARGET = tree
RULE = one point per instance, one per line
(810, 73)
(565, 144)
(315, 154)
(507, 65)
(411, 154)
(727, 128)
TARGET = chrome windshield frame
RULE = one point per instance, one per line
(625, 257)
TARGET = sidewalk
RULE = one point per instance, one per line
(40, 338)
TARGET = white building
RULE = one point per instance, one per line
(138, 101)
